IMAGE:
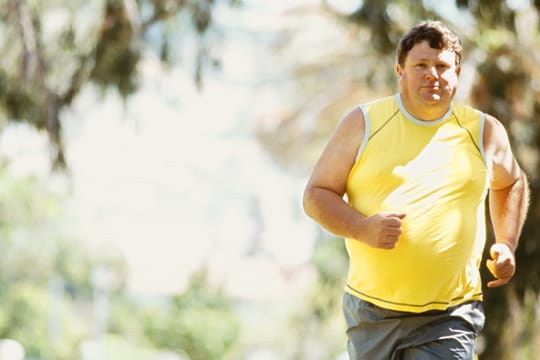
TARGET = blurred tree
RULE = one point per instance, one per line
(319, 315)
(52, 49)
(501, 52)
(30, 243)
(200, 322)
(44, 272)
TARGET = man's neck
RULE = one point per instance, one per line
(429, 112)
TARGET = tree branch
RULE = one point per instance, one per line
(35, 71)
(162, 10)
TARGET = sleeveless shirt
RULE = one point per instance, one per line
(434, 172)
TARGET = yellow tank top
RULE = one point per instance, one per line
(435, 173)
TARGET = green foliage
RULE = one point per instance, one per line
(25, 316)
(21, 304)
(488, 12)
(29, 212)
(200, 322)
(116, 55)
(330, 259)
(385, 30)
(125, 320)
(45, 275)
(52, 50)
(26, 212)
(319, 316)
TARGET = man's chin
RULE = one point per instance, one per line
(433, 99)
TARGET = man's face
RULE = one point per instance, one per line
(429, 76)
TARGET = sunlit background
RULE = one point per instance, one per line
(164, 220)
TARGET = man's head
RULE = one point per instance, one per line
(428, 68)
(437, 35)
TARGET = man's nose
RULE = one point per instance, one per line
(431, 72)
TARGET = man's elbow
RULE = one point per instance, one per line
(317, 199)
(521, 185)
(309, 200)
(508, 184)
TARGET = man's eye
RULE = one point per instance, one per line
(420, 66)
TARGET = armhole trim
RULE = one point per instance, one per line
(487, 163)
(481, 137)
(367, 132)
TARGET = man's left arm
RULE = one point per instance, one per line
(508, 203)
(508, 210)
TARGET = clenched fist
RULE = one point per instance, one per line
(383, 229)
(502, 264)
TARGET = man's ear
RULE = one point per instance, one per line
(458, 70)
(399, 70)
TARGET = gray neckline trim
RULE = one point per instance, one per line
(418, 121)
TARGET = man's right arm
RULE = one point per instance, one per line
(323, 196)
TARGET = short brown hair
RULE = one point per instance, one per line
(437, 34)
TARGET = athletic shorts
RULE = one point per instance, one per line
(375, 333)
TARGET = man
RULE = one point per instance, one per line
(416, 168)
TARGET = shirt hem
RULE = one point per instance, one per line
(414, 308)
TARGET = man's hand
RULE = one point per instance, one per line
(384, 229)
(502, 264)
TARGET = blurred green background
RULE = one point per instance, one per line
(153, 155)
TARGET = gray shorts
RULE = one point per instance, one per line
(375, 333)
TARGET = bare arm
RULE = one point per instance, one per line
(323, 196)
(508, 202)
